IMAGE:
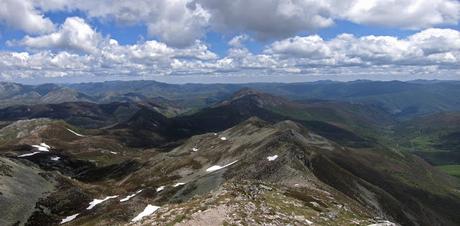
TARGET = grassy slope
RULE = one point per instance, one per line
(364, 120)
(453, 170)
(433, 137)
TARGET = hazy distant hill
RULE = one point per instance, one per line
(435, 137)
(402, 99)
(18, 94)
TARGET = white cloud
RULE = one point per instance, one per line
(309, 46)
(180, 23)
(22, 15)
(75, 48)
(172, 21)
(284, 18)
(238, 40)
(437, 40)
(267, 19)
(431, 46)
(73, 34)
(412, 14)
(428, 52)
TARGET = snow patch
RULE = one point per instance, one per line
(383, 223)
(45, 145)
(223, 138)
(194, 149)
(29, 154)
(130, 196)
(55, 158)
(75, 133)
(272, 158)
(69, 218)
(93, 203)
(112, 152)
(42, 147)
(179, 184)
(308, 222)
(147, 211)
(217, 167)
(161, 188)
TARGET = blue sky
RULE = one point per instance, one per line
(200, 41)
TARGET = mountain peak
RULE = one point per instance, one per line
(260, 99)
(246, 92)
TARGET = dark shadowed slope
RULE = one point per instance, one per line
(150, 127)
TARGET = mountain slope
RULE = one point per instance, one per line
(435, 138)
(248, 103)
(255, 170)
(222, 165)
(82, 114)
(377, 182)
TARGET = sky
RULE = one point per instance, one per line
(206, 41)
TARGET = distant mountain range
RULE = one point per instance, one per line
(403, 99)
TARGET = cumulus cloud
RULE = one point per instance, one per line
(172, 21)
(431, 51)
(75, 48)
(73, 34)
(267, 19)
(430, 46)
(238, 40)
(284, 18)
(24, 16)
(412, 14)
(79, 50)
(180, 23)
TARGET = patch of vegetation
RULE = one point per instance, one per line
(5, 170)
(179, 218)
(453, 170)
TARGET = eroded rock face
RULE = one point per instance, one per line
(22, 185)
(257, 203)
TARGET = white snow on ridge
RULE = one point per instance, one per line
(42, 147)
(149, 209)
(179, 184)
(161, 188)
(69, 218)
(223, 138)
(45, 145)
(130, 196)
(75, 133)
(112, 152)
(29, 154)
(55, 158)
(217, 167)
(194, 149)
(272, 158)
(93, 203)
(383, 223)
